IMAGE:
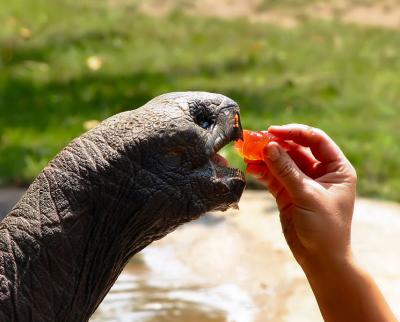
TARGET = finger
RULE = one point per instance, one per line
(261, 172)
(284, 169)
(306, 161)
(257, 169)
(300, 154)
(247, 161)
(303, 157)
(284, 201)
(273, 185)
(278, 191)
(321, 145)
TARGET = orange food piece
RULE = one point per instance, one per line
(253, 143)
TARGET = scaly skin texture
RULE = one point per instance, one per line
(107, 195)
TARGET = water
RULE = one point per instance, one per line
(221, 268)
(149, 290)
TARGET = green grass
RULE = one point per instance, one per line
(343, 79)
(287, 4)
(303, 4)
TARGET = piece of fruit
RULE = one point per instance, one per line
(253, 143)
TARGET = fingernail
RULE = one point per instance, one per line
(273, 152)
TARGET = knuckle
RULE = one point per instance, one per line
(320, 136)
(296, 129)
(307, 132)
(285, 170)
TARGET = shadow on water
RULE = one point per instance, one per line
(209, 220)
(136, 297)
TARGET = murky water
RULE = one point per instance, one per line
(149, 290)
(209, 270)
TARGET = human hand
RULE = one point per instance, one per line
(314, 186)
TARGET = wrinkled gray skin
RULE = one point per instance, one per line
(107, 195)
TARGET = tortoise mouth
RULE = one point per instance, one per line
(229, 181)
(231, 178)
(222, 170)
(221, 167)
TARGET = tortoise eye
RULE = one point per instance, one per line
(204, 120)
(206, 124)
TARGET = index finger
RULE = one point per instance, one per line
(321, 145)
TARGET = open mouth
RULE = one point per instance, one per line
(222, 170)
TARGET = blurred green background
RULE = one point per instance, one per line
(66, 64)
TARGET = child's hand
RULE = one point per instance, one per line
(314, 186)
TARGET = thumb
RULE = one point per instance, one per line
(284, 168)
